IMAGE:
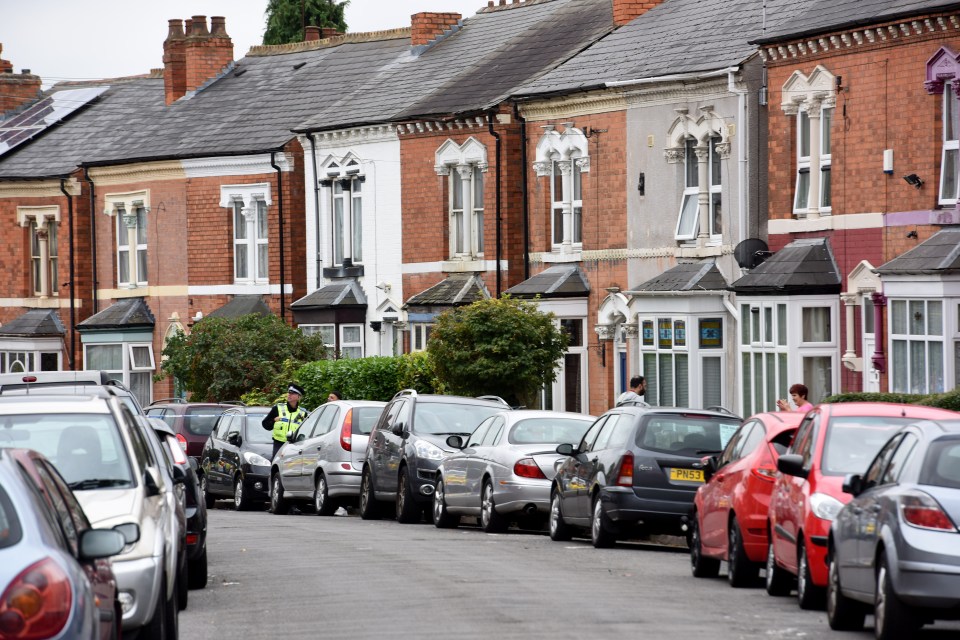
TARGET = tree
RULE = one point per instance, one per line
(286, 19)
(503, 347)
(223, 358)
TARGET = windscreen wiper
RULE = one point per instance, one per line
(97, 483)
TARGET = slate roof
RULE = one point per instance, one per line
(454, 290)
(938, 254)
(242, 306)
(129, 313)
(346, 293)
(34, 323)
(825, 16)
(678, 36)
(692, 276)
(803, 267)
(558, 281)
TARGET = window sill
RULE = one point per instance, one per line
(558, 256)
(354, 271)
(706, 251)
(462, 265)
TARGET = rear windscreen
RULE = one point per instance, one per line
(200, 420)
(365, 419)
(549, 431)
(686, 434)
(437, 418)
(942, 466)
(852, 442)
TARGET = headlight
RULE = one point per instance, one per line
(429, 451)
(255, 459)
(825, 507)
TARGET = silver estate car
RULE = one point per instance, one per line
(504, 470)
(323, 462)
(894, 549)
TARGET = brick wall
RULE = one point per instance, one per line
(626, 10)
(426, 26)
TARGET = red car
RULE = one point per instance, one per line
(833, 441)
(730, 510)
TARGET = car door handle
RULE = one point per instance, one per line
(594, 461)
(875, 508)
(319, 447)
(856, 510)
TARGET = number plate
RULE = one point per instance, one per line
(686, 475)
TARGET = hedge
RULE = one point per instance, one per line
(949, 400)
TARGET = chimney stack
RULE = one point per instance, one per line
(426, 26)
(191, 59)
(311, 33)
(16, 89)
(626, 10)
(174, 62)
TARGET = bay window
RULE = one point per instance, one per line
(916, 346)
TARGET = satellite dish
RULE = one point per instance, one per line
(751, 252)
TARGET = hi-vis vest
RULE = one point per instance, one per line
(288, 422)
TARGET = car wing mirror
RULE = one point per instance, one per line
(566, 449)
(397, 429)
(234, 439)
(101, 543)
(151, 483)
(179, 474)
(792, 465)
(130, 531)
(455, 442)
(853, 484)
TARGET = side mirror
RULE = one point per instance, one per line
(101, 543)
(853, 484)
(130, 532)
(792, 465)
(234, 439)
(179, 475)
(299, 437)
(455, 442)
(565, 449)
(397, 429)
(151, 484)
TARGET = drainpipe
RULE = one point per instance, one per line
(71, 352)
(879, 358)
(316, 202)
(93, 236)
(741, 154)
(524, 208)
(283, 298)
(497, 138)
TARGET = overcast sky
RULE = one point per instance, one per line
(76, 40)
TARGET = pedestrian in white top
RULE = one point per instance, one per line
(638, 387)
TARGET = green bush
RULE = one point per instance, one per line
(949, 400)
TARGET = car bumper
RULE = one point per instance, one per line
(424, 481)
(924, 575)
(666, 514)
(139, 582)
(815, 536)
(529, 496)
(343, 483)
(256, 480)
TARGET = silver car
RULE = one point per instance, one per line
(503, 472)
(894, 550)
(323, 462)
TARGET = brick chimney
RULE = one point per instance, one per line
(626, 10)
(311, 33)
(427, 26)
(16, 89)
(174, 62)
(207, 52)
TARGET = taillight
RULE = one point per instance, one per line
(182, 441)
(765, 472)
(193, 538)
(528, 468)
(346, 432)
(179, 457)
(625, 477)
(922, 511)
(37, 603)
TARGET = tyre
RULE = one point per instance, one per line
(197, 571)
(809, 596)
(843, 613)
(322, 503)
(600, 534)
(443, 519)
(559, 530)
(740, 571)
(407, 510)
(241, 501)
(208, 498)
(369, 508)
(157, 628)
(778, 581)
(490, 520)
(892, 618)
(278, 505)
(700, 565)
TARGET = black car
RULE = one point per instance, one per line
(235, 461)
(637, 469)
(407, 445)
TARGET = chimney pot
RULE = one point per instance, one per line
(330, 32)
(198, 27)
(175, 29)
(218, 27)
(311, 33)
(25, 72)
(503, 2)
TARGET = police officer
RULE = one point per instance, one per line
(285, 418)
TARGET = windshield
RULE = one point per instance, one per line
(686, 434)
(852, 442)
(200, 420)
(439, 418)
(86, 448)
(942, 466)
(549, 431)
(256, 434)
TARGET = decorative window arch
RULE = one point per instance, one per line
(43, 222)
(251, 248)
(345, 177)
(130, 210)
(564, 157)
(465, 165)
(943, 78)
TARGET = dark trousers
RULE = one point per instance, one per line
(276, 447)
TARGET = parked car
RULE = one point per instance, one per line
(730, 511)
(832, 441)
(195, 538)
(64, 382)
(407, 446)
(235, 461)
(323, 461)
(192, 422)
(894, 549)
(503, 471)
(106, 459)
(636, 469)
(46, 539)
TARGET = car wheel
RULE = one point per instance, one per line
(157, 629)
(443, 519)
(559, 530)
(369, 509)
(700, 565)
(197, 571)
(322, 503)
(208, 498)
(892, 618)
(809, 596)
(740, 571)
(407, 510)
(278, 505)
(240, 499)
(843, 613)
(600, 534)
(778, 581)
(490, 520)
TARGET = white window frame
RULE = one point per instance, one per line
(44, 280)
(563, 158)
(826, 159)
(128, 370)
(459, 243)
(930, 341)
(313, 329)
(803, 164)
(252, 243)
(132, 245)
(688, 218)
(951, 146)
(655, 390)
(419, 335)
(345, 179)
(356, 344)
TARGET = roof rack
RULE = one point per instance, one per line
(405, 392)
(168, 401)
(495, 399)
(235, 403)
(720, 409)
